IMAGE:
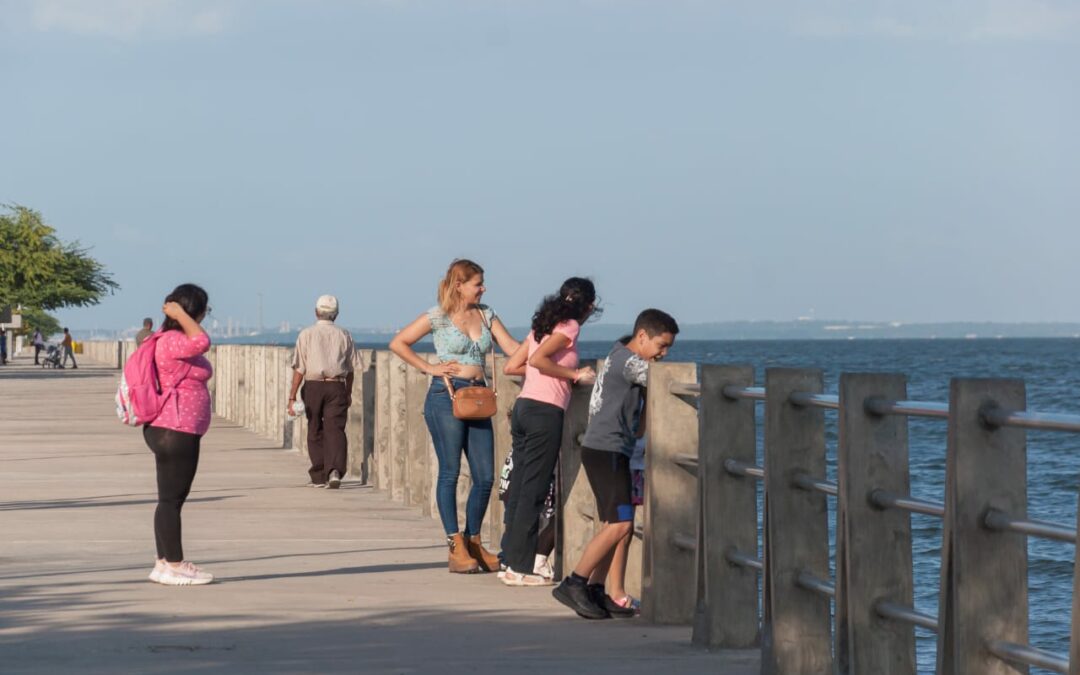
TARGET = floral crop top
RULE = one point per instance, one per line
(453, 345)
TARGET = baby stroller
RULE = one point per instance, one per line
(52, 357)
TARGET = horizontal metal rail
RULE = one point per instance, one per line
(809, 400)
(686, 461)
(898, 612)
(752, 393)
(999, 417)
(875, 405)
(888, 500)
(808, 482)
(1032, 656)
(685, 389)
(1002, 522)
(737, 468)
(816, 584)
(684, 541)
(736, 557)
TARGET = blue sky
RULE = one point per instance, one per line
(909, 161)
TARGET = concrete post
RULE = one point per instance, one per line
(354, 427)
(983, 572)
(797, 635)
(284, 367)
(382, 420)
(367, 402)
(873, 546)
(508, 389)
(577, 508)
(671, 502)
(1074, 642)
(418, 484)
(726, 615)
(398, 428)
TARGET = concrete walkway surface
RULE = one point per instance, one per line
(310, 580)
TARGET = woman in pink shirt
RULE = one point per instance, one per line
(549, 360)
(174, 435)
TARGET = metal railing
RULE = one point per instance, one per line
(873, 496)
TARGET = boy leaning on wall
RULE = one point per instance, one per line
(610, 438)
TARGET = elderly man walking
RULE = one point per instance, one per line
(324, 360)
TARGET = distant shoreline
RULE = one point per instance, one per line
(725, 331)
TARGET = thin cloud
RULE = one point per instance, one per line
(957, 21)
(130, 19)
(1027, 20)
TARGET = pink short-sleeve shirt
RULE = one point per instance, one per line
(544, 388)
(189, 408)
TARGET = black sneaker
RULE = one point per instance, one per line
(614, 609)
(576, 597)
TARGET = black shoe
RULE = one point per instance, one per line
(576, 597)
(614, 609)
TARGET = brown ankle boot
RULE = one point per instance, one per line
(460, 560)
(488, 561)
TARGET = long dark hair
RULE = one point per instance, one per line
(575, 300)
(189, 296)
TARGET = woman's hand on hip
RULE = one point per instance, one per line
(448, 369)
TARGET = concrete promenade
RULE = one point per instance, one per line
(309, 580)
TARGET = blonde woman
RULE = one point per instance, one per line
(462, 330)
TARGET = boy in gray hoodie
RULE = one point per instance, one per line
(614, 412)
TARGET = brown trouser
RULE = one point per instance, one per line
(326, 406)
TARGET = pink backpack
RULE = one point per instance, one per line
(140, 397)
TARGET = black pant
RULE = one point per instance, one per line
(536, 429)
(326, 406)
(37, 351)
(177, 456)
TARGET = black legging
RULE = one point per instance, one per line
(177, 455)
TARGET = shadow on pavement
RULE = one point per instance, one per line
(153, 639)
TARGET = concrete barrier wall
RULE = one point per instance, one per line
(110, 352)
(389, 443)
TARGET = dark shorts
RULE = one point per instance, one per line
(609, 477)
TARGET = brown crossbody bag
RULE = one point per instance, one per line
(475, 403)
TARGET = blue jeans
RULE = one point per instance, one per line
(451, 437)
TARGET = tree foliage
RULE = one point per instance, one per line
(40, 272)
(33, 317)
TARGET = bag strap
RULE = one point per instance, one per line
(158, 387)
(491, 335)
(494, 390)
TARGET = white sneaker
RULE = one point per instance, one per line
(334, 482)
(502, 572)
(542, 567)
(155, 575)
(184, 574)
(512, 578)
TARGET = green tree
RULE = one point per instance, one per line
(40, 272)
(33, 317)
